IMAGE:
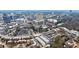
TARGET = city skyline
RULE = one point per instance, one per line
(8, 11)
(39, 29)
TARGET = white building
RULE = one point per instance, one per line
(52, 20)
(21, 20)
(43, 41)
(38, 24)
(75, 32)
(51, 23)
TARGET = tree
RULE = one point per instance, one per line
(58, 43)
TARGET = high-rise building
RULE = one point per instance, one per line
(1, 18)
